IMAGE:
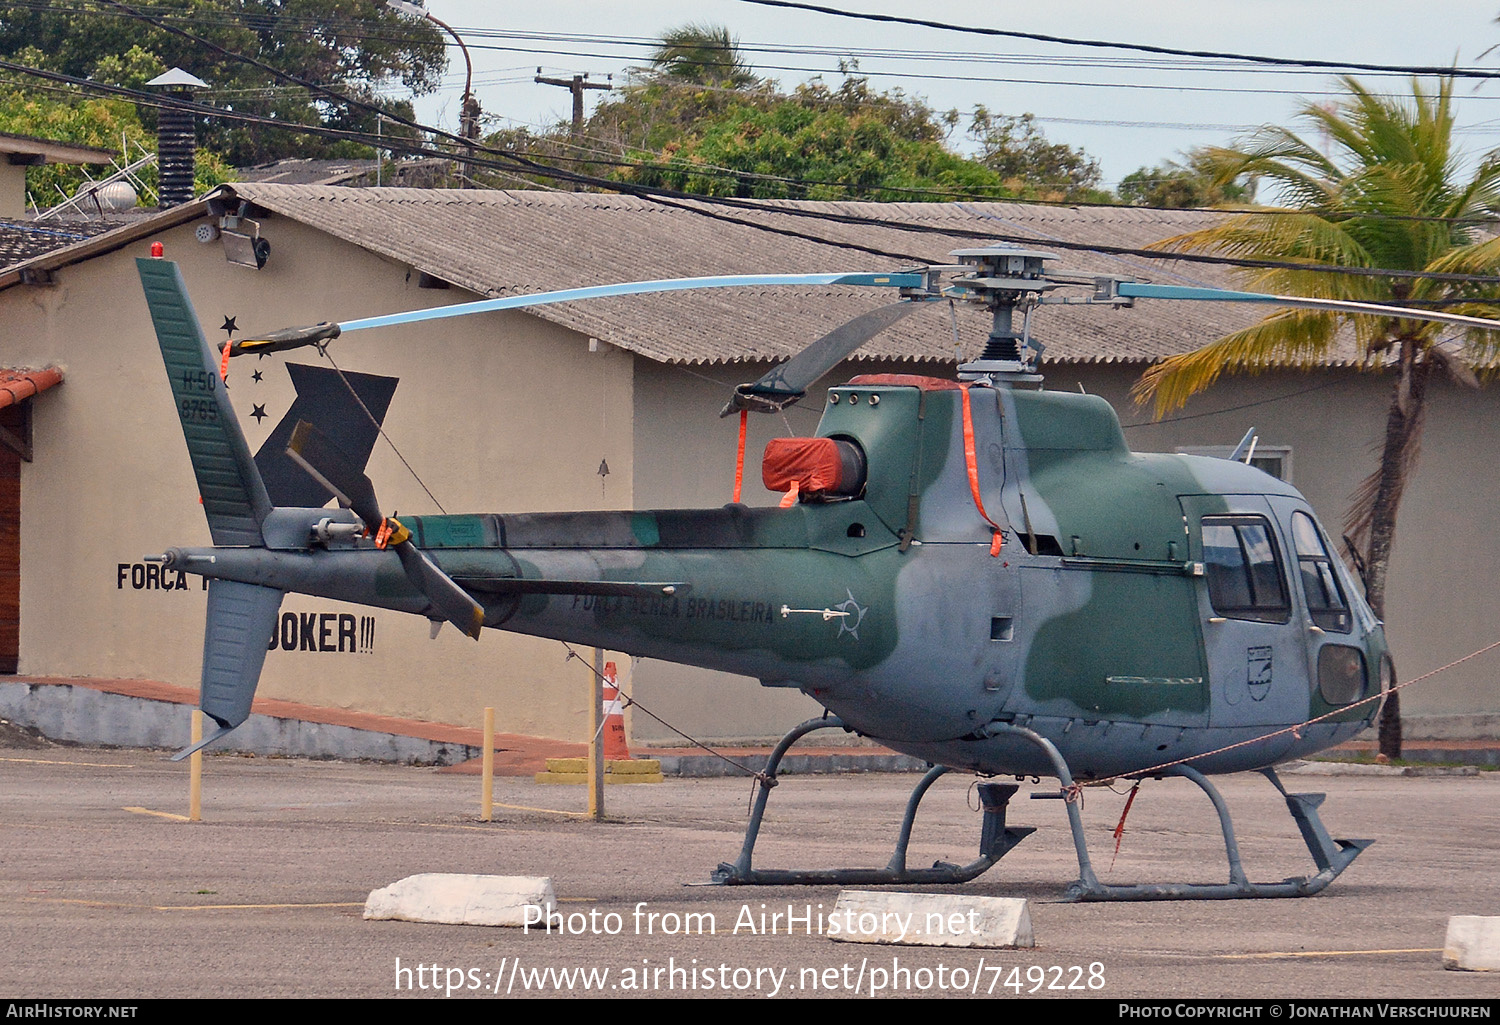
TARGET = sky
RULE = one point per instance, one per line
(1126, 109)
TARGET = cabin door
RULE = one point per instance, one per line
(1255, 645)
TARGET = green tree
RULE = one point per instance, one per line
(819, 142)
(350, 46)
(706, 54)
(1014, 147)
(107, 124)
(1389, 196)
(1186, 185)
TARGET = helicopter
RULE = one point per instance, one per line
(976, 572)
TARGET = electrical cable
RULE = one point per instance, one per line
(695, 203)
(1403, 69)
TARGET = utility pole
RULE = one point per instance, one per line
(469, 110)
(577, 84)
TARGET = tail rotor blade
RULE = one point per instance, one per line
(789, 381)
(331, 467)
(310, 449)
(446, 596)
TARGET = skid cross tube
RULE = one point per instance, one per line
(1331, 856)
(995, 838)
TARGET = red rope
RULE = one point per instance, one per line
(972, 461)
(739, 459)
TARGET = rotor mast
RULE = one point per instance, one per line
(1004, 281)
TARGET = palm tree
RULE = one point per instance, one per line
(1387, 196)
(705, 54)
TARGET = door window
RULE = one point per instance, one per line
(1245, 580)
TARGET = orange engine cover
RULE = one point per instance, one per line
(815, 466)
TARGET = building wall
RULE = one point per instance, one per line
(12, 189)
(501, 412)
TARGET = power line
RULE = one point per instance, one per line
(687, 201)
(349, 27)
(531, 166)
(1403, 69)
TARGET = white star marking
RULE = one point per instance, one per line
(852, 610)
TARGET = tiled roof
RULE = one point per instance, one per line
(303, 171)
(22, 240)
(52, 151)
(18, 385)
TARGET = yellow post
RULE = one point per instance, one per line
(487, 772)
(195, 770)
(596, 740)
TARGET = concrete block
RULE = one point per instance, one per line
(576, 771)
(1472, 944)
(930, 920)
(610, 778)
(633, 767)
(449, 898)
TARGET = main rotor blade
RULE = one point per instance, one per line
(787, 382)
(515, 302)
(286, 338)
(1137, 290)
(316, 334)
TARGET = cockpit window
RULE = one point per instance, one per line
(1325, 598)
(1245, 580)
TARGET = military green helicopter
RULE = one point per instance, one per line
(978, 572)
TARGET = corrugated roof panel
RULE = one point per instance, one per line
(497, 243)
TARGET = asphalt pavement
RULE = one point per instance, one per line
(108, 893)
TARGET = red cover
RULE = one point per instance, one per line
(814, 463)
(905, 381)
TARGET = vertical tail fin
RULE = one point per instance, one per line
(234, 497)
(240, 616)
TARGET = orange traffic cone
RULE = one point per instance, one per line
(616, 749)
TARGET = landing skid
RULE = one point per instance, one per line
(996, 839)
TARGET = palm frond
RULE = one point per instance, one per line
(1289, 337)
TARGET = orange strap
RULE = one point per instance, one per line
(224, 364)
(790, 498)
(739, 459)
(1120, 829)
(972, 461)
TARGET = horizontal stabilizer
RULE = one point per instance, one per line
(241, 618)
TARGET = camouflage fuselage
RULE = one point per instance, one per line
(1093, 624)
